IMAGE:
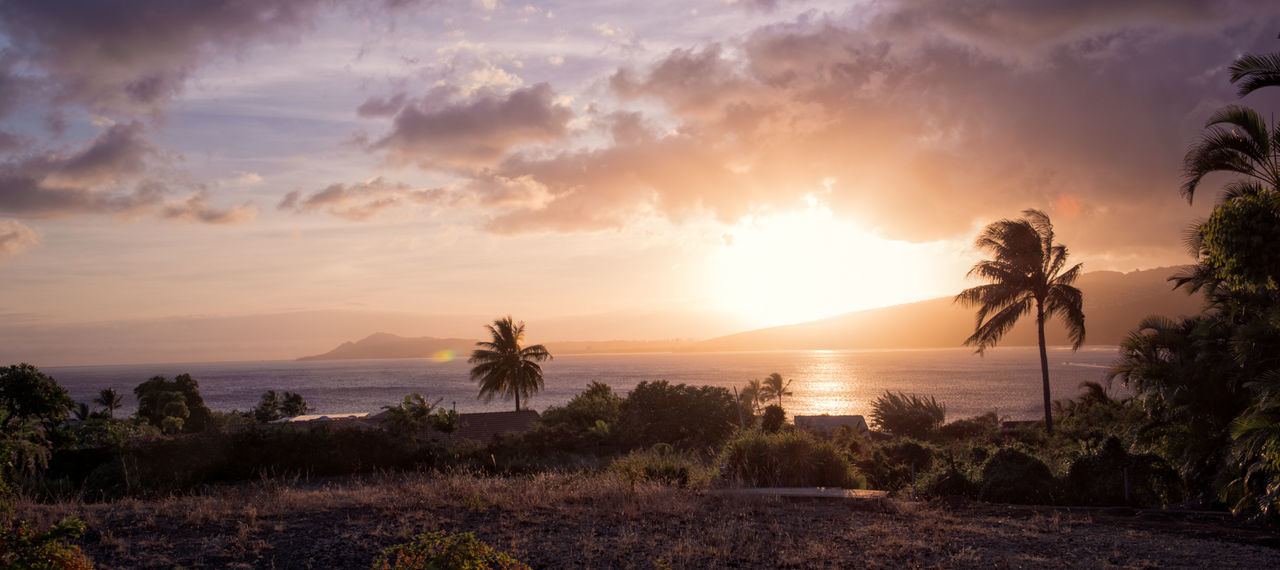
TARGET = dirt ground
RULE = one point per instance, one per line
(600, 521)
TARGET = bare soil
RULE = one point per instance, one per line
(601, 521)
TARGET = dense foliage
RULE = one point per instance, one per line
(688, 417)
(909, 415)
(174, 407)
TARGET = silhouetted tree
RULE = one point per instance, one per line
(1026, 273)
(775, 387)
(1254, 72)
(503, 367)
(159, 399)
(294, 405)
(29, 394)
(109, 400)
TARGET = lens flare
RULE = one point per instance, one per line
(445, 355)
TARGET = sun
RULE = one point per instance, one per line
(807, 264)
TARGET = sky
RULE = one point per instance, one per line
(661, 169)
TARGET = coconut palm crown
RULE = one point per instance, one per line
(1236, 139)
(775, 387)
(1027, 272)
(503, 367)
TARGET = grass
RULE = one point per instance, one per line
(605, 520)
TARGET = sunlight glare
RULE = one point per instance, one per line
(803, 265)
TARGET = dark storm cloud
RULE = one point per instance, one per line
(929, 116)
(444, 131)
(132, 56)
(92, 181)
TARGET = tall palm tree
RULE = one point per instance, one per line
(503, 367)
(775, 387)
(1026, 273)
(109, 400)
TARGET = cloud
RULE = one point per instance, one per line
(117, 56)
(56, 185)
(361, 201)
(920, 117)
(437, 131)
(93, 180)
(195, 208)
(15, 237)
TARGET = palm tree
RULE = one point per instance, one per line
(752, 394)
(1238, 140)
(503, 367)
(1254, 72)
(1025, 274)
(110, 400)
(774, 386)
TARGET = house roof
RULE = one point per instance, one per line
(829, 423)
(487, 426)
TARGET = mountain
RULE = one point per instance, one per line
(385, 345)
(1114, 303)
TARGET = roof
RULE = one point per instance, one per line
(488, 426)
(322, 418)
(829, 423)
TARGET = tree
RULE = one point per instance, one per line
(411, 415)
(503, 367)
(1025, 274)
(909, 415)
(1254, 72)
(752, 394)
(1236, 139)
(294, 405)
(688, 417)
(27, 393)
(109, 400)
(774, 387)
(159, 399)
(268, 408)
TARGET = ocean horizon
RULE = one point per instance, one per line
(1006, 380)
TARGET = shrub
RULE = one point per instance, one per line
(908, 415)
(24, 548)
(1099, 477)
(439, 550)
(949, 481)
(158, 399)
(661, 464)
(970, 428)
(773, 418)
(687, 417)
(1011, 476)
(896, 464)
(791, 459)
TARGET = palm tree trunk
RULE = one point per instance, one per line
(518, 398)
(1044, 368)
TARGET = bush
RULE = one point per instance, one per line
(895, 464)
(792, 459)
(661, 464)
(1011, 476)
(439, 550)
(23, 548)
(907, 415)
(981, 426)
(686, 417)
(773, 418)
(950, 481)
(1099, 478)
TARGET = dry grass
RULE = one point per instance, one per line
(601, 521)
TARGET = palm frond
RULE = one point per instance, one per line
(1254, 72)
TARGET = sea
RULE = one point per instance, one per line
(1006, 380)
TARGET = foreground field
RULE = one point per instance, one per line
(555, 520)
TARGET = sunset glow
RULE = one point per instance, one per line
(609, 171)
(807, 264)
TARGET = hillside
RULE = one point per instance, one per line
(385, 345)
(1114, 303)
